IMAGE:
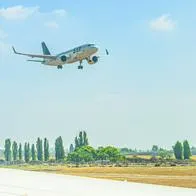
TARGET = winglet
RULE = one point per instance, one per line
(14, 50)
(107, 53)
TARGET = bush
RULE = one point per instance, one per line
(157, 164)
(35, 162)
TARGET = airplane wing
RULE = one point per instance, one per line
(35, 55)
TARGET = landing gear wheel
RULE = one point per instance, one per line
(80, 67)
(59, 67)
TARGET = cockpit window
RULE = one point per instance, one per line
(91, 44)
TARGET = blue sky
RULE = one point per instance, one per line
(143, 93)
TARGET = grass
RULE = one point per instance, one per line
(172, 176)
(193, 158)
(147, 157)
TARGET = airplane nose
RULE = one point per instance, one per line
(95, 49)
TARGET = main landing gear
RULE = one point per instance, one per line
(59, 67)
(80, 66)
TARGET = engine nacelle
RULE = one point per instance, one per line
(63, 58)
(93, 60)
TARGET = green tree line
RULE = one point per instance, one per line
(16, 152)
(81, 151)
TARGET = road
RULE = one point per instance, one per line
(26, 183)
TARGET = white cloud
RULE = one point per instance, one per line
(162, 23)
(52, 25)
(3, 35)
(60, 12)
(18, 12)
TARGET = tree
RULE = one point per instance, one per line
(74, 157)
(87, 153)
(76, 142)
(82, 154)
(164, 154)
(59, 149)
(108, 153)
(7, 151)
(178, 150)
(80, 139)
(71, 148)
(155, 149)
(85, 138)
(33, 152)
(46, 149)
(27, 152)
(20, 152)
(39, 147)
(15, 151)
(187, 151)
(101, 154)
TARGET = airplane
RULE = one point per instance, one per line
(78, 54)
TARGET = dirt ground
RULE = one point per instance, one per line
(172, 176)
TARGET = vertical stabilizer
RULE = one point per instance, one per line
(45, 49)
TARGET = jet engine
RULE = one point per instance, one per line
(93, 60)
(63, 58)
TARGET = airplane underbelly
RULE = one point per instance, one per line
(73, 60)
(84, 54)
(53, 62)
(81, 55)
(77, 57)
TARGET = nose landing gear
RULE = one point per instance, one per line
(59, 67)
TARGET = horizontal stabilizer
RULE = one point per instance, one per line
(38, 61)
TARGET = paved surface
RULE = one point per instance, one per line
(25, 183)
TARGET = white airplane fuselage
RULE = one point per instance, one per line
(80, 53)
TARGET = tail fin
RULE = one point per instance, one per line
(45, 49)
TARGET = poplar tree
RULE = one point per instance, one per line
(76, 142)
(27, 152)
(178, 150)
(20, 152)
(71, 148)
(46, 149)
(7, 151)
(33, 152)
(15, 151)
(80, 139)
(59, 149)
(85, 143)
(187, 150)
(39, 147)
